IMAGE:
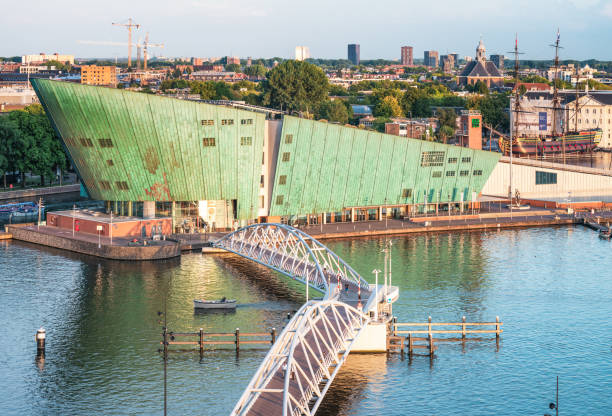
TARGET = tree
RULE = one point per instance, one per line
(295, 86)
(388, 107)
(232, 68)
(333, 111)
(35, 148)
(445, 132)
(257, 70)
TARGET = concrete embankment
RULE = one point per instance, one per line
(118, 251)
(449, 227)
(72, 190)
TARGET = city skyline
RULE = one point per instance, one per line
(449, 27)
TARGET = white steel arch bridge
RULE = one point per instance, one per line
(301, 365)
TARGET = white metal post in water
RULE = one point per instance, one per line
(390, 281)
(73, 215)
(376, 271)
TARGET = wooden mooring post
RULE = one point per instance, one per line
(201, 339)
(399, 338)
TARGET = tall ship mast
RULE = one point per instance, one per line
(561, 140)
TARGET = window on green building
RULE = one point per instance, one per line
(436, 174)
(86, 142)
(289, 138)
(105, 142)
(464, 173)
(105, 185)
(122, 185)
(246, 141)
(546, 178)
(246, 121)
(110, 162)
(286, 156)
(406, 193)
(208, 141)
(282, 179)
(478, 172)
(450, 173)
(208, 122)
(452, 160)
(227, 122)
(279, 200)
(432, 158)
(466, 159)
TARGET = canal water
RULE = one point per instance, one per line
(551, 287)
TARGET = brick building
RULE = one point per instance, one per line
(99, 75)
(407, 58)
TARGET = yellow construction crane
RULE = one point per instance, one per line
(145, 46)
(129, 26)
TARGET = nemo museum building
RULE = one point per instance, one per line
(148, 156)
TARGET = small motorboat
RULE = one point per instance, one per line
(214, 304)
(605, 235)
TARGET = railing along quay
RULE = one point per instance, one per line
(400, 339)
(202, 338)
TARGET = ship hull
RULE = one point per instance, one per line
(584, 141)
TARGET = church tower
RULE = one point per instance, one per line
(480, 52)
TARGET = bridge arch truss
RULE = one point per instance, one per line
(295, 254)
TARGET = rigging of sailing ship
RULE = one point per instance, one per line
(562, 139)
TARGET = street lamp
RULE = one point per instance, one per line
(376, 271)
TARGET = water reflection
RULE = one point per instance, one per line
(549, 286)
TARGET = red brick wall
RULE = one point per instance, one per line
(120, 229)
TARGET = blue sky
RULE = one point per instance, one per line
(268, 28)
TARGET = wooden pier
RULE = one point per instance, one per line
(596, 223)
(400, 339)
(201, 338)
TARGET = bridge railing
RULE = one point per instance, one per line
(307, 355)
(293, 253)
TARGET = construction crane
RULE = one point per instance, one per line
(139, 47)
(129, 26)
(145, 48)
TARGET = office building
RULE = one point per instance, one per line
(498, 60)
(353, 53)
(302, 53)
(42, 58)
(431, 59)
(99, 75)
(407, 58)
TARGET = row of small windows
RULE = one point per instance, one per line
(586, 110)
(586, 120)
(451, 173)
(437, 159)
(228, 122)
(432, 159)
(121, 185)
(85, 142)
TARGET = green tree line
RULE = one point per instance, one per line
(28, 144)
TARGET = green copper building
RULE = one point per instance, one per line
(148, 154)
